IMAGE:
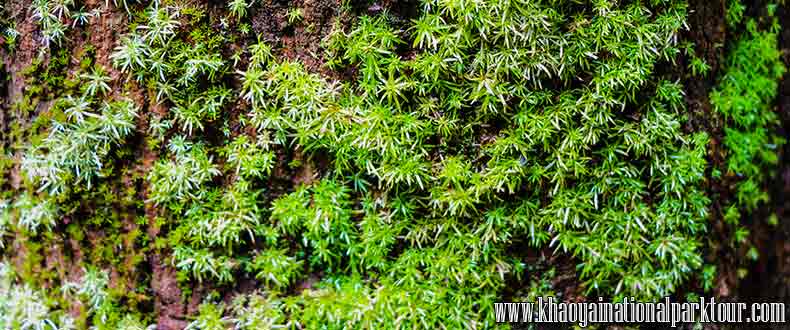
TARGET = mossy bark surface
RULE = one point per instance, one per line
(117, 225)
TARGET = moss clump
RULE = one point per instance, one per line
(399, 195)
(744, 97)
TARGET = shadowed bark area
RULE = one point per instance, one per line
(768, 278)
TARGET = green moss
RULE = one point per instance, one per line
(744, 97)
(396, 196)
(31, 263)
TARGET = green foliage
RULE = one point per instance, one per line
(324, 220)
(744, 98)
(275, 267)
(131, 322)
(181, 178)
(734, 12)
(258, 311)
(698, 66)
(206, 106)
(294, 15)
(97, 82)
(33, 213)
(452, 158)
(8, 31)
(22, 307)
(92, 289)
(74, 150)
(224, 218)
(594, 172)
(209, 318)
(395, 198)
(249, 159)
(199, 263)
(152, 53)
(238, 8)
(131, 54)
(50, 15)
